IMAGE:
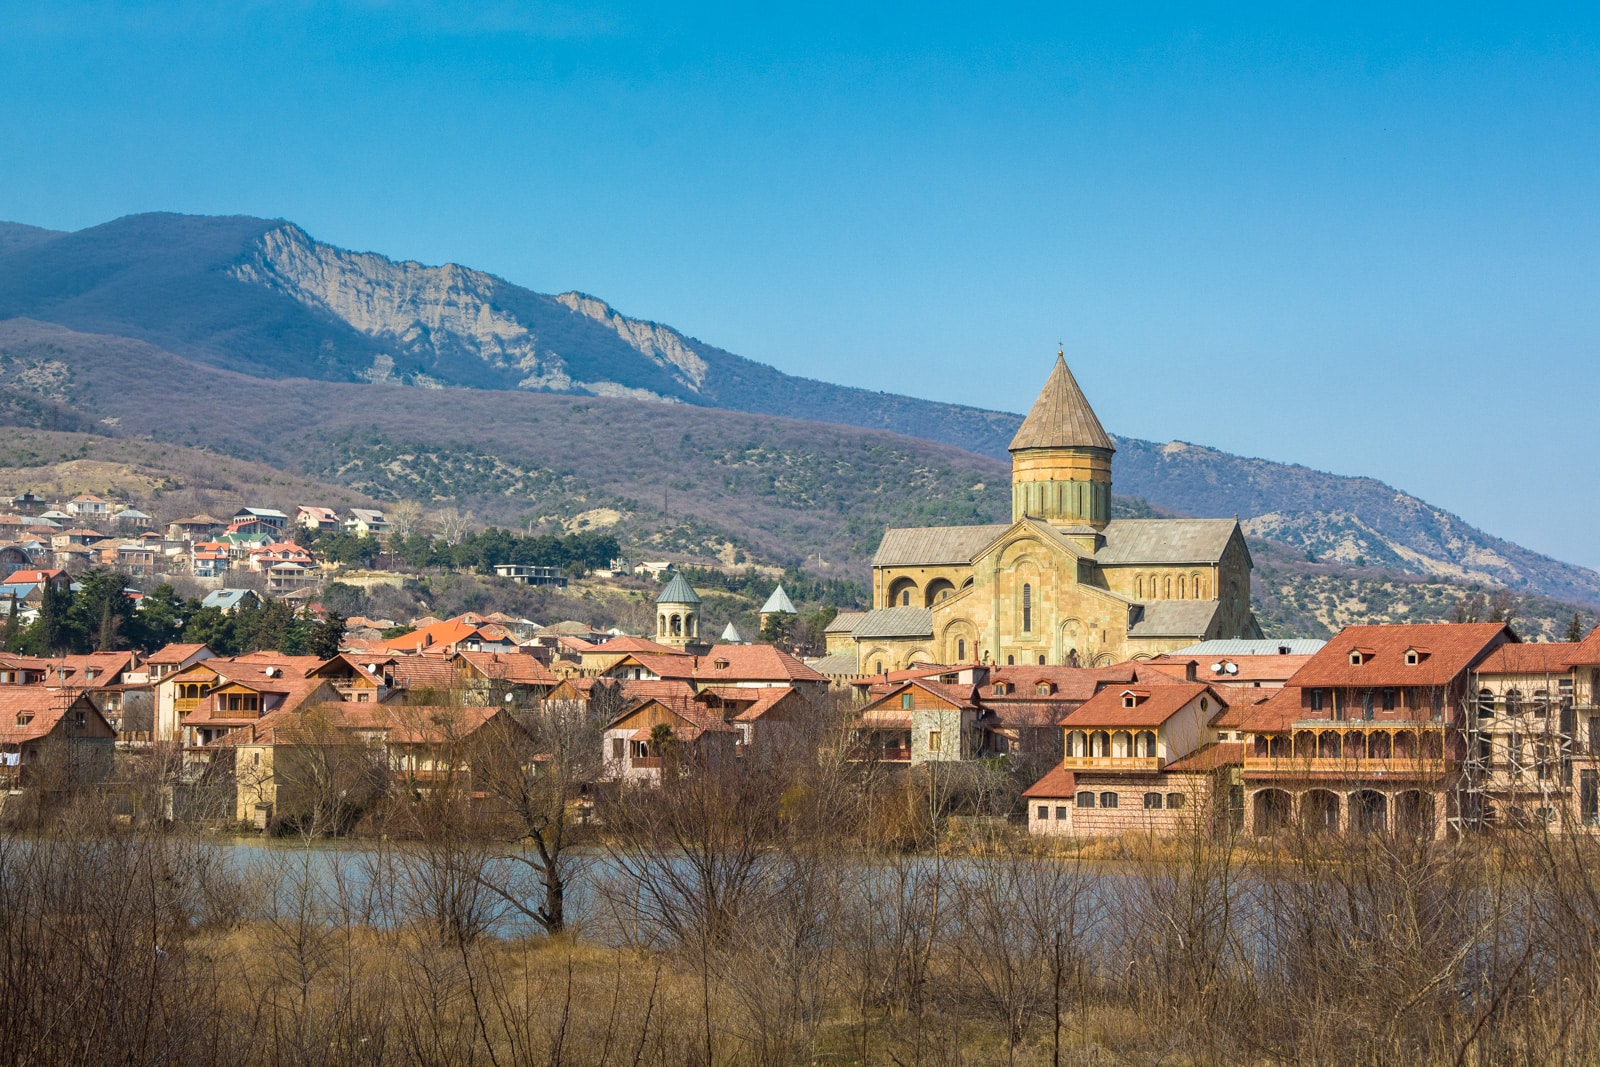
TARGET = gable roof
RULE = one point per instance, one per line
(1166, 540)
(1451, 647)
(895, 622)
(1175, 618)
(1157, 704)
(1057, 783)
(844, 622)
(47, 708)
(1061, 417)
(1534, 657)
(932, 545)
(1208, 758)
(1587, 651)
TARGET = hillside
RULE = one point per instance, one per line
(240, 300)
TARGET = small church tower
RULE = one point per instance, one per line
(778, 604)
(678, 614)
(1061, 461)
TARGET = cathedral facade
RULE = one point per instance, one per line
(1063, 583)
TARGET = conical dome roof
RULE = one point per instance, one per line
(1061, 417)
(731, 635)
(778, 604)
(678, 591)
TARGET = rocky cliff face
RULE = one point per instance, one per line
(449, 324)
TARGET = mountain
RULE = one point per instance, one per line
(455, 378)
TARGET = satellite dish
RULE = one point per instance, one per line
(1216, 668)
(510, 697)
(1233, 668)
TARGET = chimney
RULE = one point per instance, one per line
(1191, 670)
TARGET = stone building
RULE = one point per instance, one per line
(1063, 583)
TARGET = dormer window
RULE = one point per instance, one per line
(1415, 656)
(1130, 699)
(1355, 658)
(999, 689)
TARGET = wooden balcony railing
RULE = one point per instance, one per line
(645, 763)
(1346, 767)
(1129, 764)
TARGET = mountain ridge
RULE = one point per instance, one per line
(262, 298)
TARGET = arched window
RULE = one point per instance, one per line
(1027, 608)
(1168, 585)
(1085, 799)
(1144, 743)
(1176, 800)
(1041, 659)
(1485, 703)
(1183, 588)
(877, 668)
(905, 598)
(677, 626)
(1152, 800)
(1108, 800)
(1513, 702)
(1011, 661)
(961, 650)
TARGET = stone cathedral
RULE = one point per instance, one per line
(1063, 583)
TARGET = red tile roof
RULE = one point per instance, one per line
(1587, 654)
(1057, 784)
(1450, 648)
(1210, 758)
(1272, 715)
(1156, 704)
(46, 706)
(1535, 657)
(518, 668)
(174, 653)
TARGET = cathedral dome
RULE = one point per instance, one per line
(1061, 417)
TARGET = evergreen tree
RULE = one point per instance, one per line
(12, 635)
(1575, 628)
(326, 635)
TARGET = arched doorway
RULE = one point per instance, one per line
(1369, 812)
(1273, 810)
(1319, 812)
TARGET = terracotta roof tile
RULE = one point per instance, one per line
(1057, 784)
(1535, 657)
(1156, 704)
(1451, 649)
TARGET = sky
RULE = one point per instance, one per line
(1362, 238)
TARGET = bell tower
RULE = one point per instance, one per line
(678, 616)
(1061, 461)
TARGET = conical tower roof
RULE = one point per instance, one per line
(1061, 417)
(731, 635)
(678, 591)
(778, 604)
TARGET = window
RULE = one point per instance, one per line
(1085, 799)
(617, 749)
(1176, 800)
(1411, 657)
(1011, 661)
(1594, 735)
(905, 599)
(1044, 812)
(1515, 745)
(935, 741)
(1041, 659)
(1436, 710)
(1108, 800)
(80, 719)
(1541, 758)
(877, 668)
(1366, 705)
(1388, 700)
(1316, 700)
(1589, 797)
(1541, 702)
(1355, 659)
(1042, 689)
(1485, 704)
(1061, 811)
(1027, 608)
(1000, 689)
(906, 701)
(961, 650)
(1152, 801)
(1513, 702)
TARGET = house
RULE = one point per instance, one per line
(171, 658)
(28, 503)
(229, 601)
(651, 733)
(452, 635)
(52, 738)
(523, 574)
(269, 518)
(365, 522)
(135, 558)
(743, 665)
(316, 518)
(209, 559)
(133, 518)
(1371, 734)
(203, 701)
(286, 763)
(200, 527)
(1526, 747)
(89, 506)
(920, 721)
(56, 578)
(1241, 663)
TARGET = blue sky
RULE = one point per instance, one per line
(1360, 238)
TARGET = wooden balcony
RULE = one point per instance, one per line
(184, 705)
(1123, 764)
(645, 763)
(1356, 770)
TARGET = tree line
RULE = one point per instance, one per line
(100, 615)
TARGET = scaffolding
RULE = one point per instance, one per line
(1520, 744)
